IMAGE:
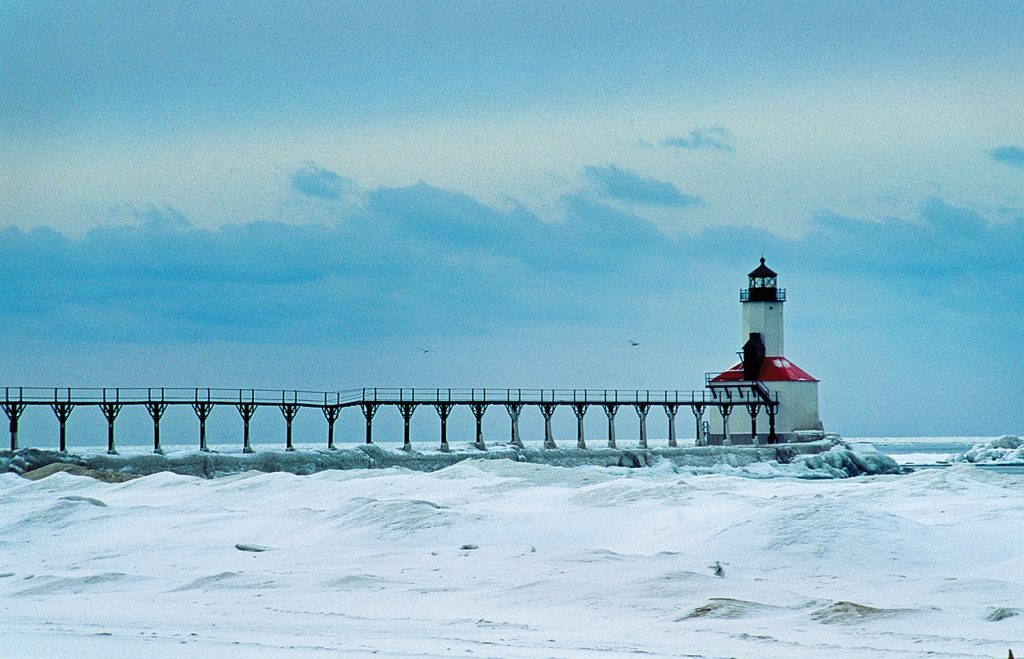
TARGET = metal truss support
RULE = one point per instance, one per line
(331, 413)
(63, 411)
(246, 410)
(610, 410)
(641, 411)
(406, 410)
(772, 411)
(548, 410)
(202, 409)
(156, 409)
(369, 409)
(13, 411)
(753, 409)
(514, 410)
(110, 410)
(725, 411)
(670, 410)
(698, 413)
(443, 410)
(289, 412)
(580, 409)
(478, 414)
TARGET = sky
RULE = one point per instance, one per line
(332, 195)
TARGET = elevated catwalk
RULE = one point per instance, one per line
(752, 397)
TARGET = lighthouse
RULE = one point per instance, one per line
(764, 365)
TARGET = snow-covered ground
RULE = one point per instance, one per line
(503, 558)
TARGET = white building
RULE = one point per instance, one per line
(764, 362)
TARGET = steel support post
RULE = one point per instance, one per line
(478, 413)
(641, 411)
(406, 410)
(289, 411)
(443, 410)
(13, 411)
(610, 410)
(753, 409)
(110, 411)
(579, 409)
(246, 410)
(725, 411)
(772, 411)
(202, 410)
(698, 413)
(514, 409)
(63, 411)
(670, 410)
(369, 409)
(331, 413)
(156, 411)
(548, 410)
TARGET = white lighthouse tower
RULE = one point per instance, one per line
(764, 362)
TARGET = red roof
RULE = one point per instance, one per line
(773, 369)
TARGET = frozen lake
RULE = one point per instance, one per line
(500, 558)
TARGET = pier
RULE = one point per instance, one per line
(749, 397)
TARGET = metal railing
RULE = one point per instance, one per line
(780, 296)
(532, 396)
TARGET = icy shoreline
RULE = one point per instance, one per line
(829, 458)
(1005, 450)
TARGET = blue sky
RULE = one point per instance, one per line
(328, 195)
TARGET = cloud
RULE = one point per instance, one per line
(420, 265)
(627, 186)
(419, 258)
(1008, 155)
(715, 137)
(313, 181)
(161, 218)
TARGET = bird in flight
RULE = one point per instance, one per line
(633, 343)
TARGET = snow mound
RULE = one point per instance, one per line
(729, 608)
(1008, 449)
(850, 613)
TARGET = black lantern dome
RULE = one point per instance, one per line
(763, 286)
